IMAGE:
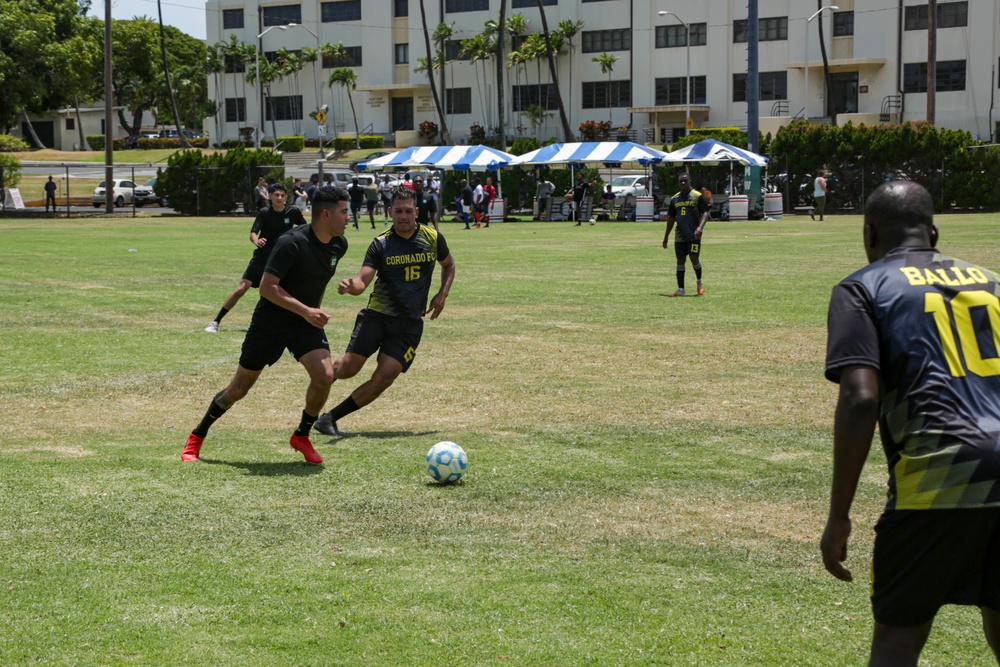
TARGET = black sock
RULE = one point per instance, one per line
(346, 407)
(306, 424)
(211, 416)
(222, 313)
(697, 272)
(680, 280)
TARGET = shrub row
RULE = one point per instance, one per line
(199, 183)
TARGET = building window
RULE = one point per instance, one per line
(597, 41)
(232, 19)
(670, 91)
(282, 15)
(529, 95)
(770, 86)
(949, 76)
(669, 36)
(288, 107)
(345, 10)
(596, 94)
(458, 100)
(453, 50)
(271, 56)
(235, 65)
(528, 4)
(768, 30)
(401, 8)
(402, 54)
(351, 59)
(236, 109)
(949, 15)
(455, 6)
(70, 123)
(843, 24)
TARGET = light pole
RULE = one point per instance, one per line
(316, 66)
(808, 21)
(260, 107)
(687, 84)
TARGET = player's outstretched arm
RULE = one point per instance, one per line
(271, 290)
(358, 284)
(447, 278)
(853, 428)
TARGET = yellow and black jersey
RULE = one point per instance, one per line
(930, 325)
(687, 211)
(404, 270)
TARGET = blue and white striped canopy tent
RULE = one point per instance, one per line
(469, 158)
(712, 152)
(608, 153)
(413, 156)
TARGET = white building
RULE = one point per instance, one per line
(876, 51)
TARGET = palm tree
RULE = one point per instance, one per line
(568, 30)
(607, 63)
(337, 55)
(444, 133)
(514, 27)
(312, 56)
(348, 78)
(166, 75)
(555, 75)
(268, 74)
(214, 65)
(501, 101)
(443, 33)
(474, 49)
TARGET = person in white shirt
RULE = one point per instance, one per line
(385, 190)
(433, 187)
(478, 196)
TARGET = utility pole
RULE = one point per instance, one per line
(931, 60)
(751, 181)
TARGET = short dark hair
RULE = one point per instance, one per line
(327, 196)
(277, 186)
(899, 207)
(403, 194)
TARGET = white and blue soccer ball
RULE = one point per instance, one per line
(447, 462)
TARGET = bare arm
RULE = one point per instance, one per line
(666, 235)
(257, 240)
(447, 278)
(853, 428)
(359, 283)
(271, 290)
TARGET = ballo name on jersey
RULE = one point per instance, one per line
(415, 258)
(959, 277)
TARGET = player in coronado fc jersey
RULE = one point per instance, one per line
(914, 342)
(270, 223)
(401, 261)
(689, 211)
(289, 316)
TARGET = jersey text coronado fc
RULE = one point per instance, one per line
(687, 211)
(930, 325)
(404, 270)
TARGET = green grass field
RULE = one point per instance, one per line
(647, 483)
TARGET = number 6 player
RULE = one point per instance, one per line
(914, 341)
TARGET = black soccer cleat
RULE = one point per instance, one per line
(327, 426)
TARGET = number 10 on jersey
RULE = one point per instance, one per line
(956, 315)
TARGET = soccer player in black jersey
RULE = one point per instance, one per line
(689, 211)
(289, 315)
(914, 342)
(401, 261)
(270, 223)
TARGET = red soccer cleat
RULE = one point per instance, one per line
(192, 448)
(300, 443)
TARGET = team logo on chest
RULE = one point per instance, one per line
(333, 263)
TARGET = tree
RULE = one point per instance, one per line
(567, 130)
(568, 29)
(337, 55)
(501, 102)
(348, 78)
(442, 34)
(213, 65)
(607, 63)
(827, 81)
(445, 134)
(166, 77)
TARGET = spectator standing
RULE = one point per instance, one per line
(478, 197)
(385, 190)
(357, 195)
(543, 193)
(819, 194)
(468, 197)
(371, 200)
(50, 195)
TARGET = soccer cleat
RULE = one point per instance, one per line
(701, 288)
(301, 444)
(327, 426)
(213, 327)
(192, 448)
(679, 292)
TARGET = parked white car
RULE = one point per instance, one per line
(144, 194)
(627, 188)
(123, 193)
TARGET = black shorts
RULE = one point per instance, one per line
(255, 271)
(928, 558)
(397, 337)
(684, 248)
(264, 346)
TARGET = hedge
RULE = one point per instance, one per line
(292, 144)
(199, 183)
(11, 144)
(367, 141)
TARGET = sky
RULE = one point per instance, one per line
(186, 15)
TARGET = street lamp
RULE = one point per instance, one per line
(260, 108)
(808, 21)
(316, 66)
(687, 92)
